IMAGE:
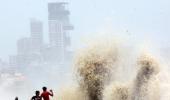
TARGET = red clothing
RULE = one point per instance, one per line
(45, 95)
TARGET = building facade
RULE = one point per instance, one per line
(59, 27)
(36, 28)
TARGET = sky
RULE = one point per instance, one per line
(142, 20)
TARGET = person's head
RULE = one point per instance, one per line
(37, 93)
(44, 88)
(16, 98)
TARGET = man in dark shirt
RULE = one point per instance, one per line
(45, 94)
(37, 96)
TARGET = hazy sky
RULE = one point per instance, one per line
(141, 19)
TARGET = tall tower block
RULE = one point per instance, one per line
(36, 29)
(59, 27)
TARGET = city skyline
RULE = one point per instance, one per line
(33, 50)
(142, 20)
(35, 42)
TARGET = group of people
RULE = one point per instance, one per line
(45, 95)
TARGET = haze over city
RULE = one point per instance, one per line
(140, 19)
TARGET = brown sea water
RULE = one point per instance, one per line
(108, 71)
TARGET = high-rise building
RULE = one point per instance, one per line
(24, 46)
(13, 61)
(23, 51)
(59, 26)
(29, 49)
(36, 28)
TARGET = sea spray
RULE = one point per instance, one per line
(94, 67)
(117, 91)
(71, 93)
(98, 63)
(146, 86)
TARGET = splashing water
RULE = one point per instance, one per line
(117, 92)
(146, 86)
(96, 68)
(71, 93)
